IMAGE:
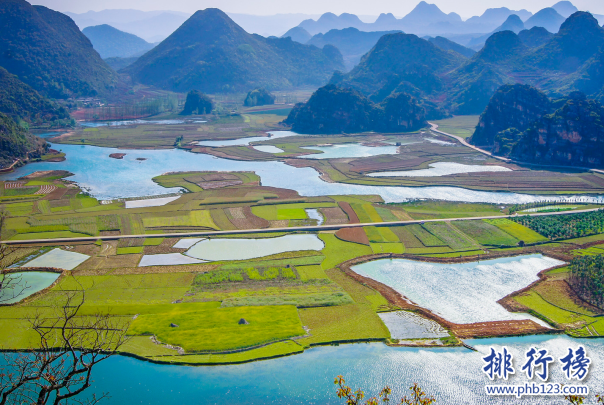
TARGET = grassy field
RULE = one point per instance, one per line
(486, 234)
(460, 125)
(517, 231)
(337, 251)
(221, 328)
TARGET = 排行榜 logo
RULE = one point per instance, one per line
(537, 364)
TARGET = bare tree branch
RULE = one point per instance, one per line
(70, 345)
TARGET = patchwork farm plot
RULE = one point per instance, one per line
(284, 302)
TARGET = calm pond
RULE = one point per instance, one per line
(242, 249)
(452, 375)
(108, 178)
(33, 281)
(460, 292)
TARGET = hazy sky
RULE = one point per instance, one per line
(465, 8)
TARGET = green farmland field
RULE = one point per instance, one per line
(220, 326)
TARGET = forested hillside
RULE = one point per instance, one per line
(46, 50)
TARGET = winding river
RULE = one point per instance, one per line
(107, 178)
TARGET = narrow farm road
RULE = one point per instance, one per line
(271, 230)
(434, 127)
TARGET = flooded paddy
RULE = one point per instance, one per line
(150, 202)
(25, 284)
(460, 292)
(407, 325)
(167, 259)
(242, 249)
(58, 258)
(348, 150)
(268, 148)
(442, 169)
(96, 124)
(314, 214)
(249, 140)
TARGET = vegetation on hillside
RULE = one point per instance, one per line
(46, 50)
(212, 53)
(332, 110)
(16, 143)
(258, 97)
(197, 103)
(22, 103)
(557, 64)
(587, 273)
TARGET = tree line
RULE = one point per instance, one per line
(565, 226)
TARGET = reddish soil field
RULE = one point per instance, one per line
(355, 235)
(352, 216)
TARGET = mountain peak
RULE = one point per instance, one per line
(565, 8)
(513, 23)
(501, 46)
(547, 18)
(580, 21)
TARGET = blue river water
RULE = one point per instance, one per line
(452, 375)
(107, 178)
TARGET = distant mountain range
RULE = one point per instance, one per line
(110, 42)
(155, 26)
(351, 42)
(152, 26)
(46, 50)
(211, 53)
(428, 19)
(558, 64)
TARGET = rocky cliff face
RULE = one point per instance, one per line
(573, 136)
(522, 123)
(512, 106)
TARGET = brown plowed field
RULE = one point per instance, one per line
(355, 235)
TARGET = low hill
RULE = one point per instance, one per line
(15, 142)
(22, 103)
(523, 123)
(46, 50)
(351, 42)
(298, 34)
(572, 136)
(258, 97)
(334, 110)
(512, 106)
(212, 53)
(110, 42)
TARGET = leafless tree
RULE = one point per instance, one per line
(59, 369)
